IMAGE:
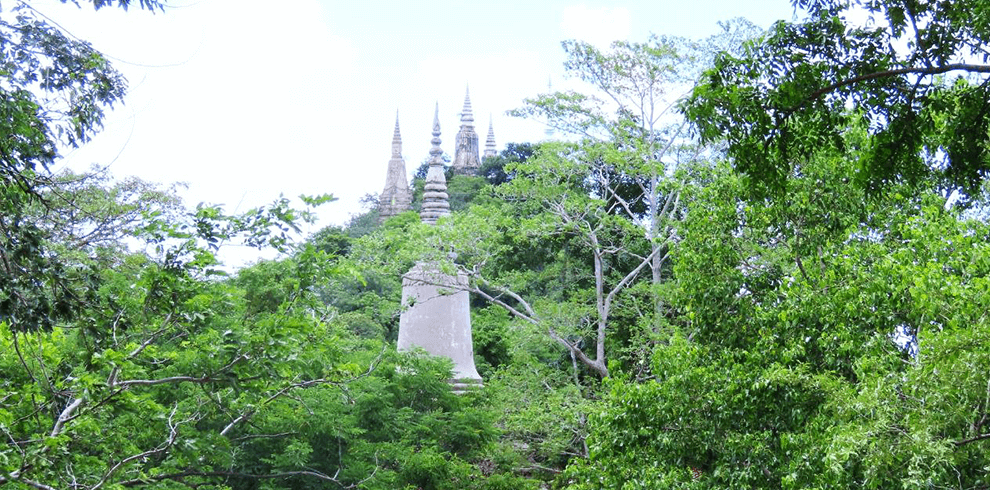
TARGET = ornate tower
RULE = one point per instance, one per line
(435, 196)
(490, 150)
(548, 132)
(437, 308)
(397, 197)
(466, 159)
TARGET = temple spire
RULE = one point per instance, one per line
(467, 116)
(466, 155)
(396, 198)
(490, 150)
(396, 138)
(435, 196)
(548, 132)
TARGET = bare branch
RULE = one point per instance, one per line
(30, 483)
(263, 436)
(227, 474)
(65, 416)
(596, 364)
(172, 434)
(621, 201)
(971, 439)
(629, 277)
(151, 338)
(530, 315)
(173, 379)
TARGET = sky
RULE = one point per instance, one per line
(247, 100)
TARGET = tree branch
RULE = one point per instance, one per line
(173, 379)
(183, 474)
(173, 432)
(64, 416)
(30, 483)
(971, 439)
(629, 277)
(891, 73)
(530, 315)
(151, 338)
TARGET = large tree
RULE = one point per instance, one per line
(914, 71)
(53, 91)
(822, 344)
(627, 119)
(110, 359)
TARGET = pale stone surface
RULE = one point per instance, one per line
(490, 150)
(397, 197)
(466, 159)
(437, 318)
(435, 204)
(437, 315)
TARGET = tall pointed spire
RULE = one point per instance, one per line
(490, 150)
(396, 138)
(466, 155)
(467, 117)
(397, 197)
(549, 130)
(435, 196)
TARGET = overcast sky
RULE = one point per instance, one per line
(248, 99)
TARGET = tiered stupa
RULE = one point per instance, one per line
(548, 132)
(466, 159)
(490, 150)
(435, 196)
(437, 308)
(397, 197)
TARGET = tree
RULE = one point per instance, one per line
(562, 207)
(795, 90)
(647, 142)
(787, 369)
(52, 92)
(119, 368)
(82, 212)
(493, 168)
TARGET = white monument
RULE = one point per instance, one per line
(437, 318)
(436, 312)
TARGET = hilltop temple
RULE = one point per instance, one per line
(397, 197)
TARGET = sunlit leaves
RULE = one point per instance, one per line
(788, 371)
(793, 91)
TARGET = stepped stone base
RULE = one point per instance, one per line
(462, 386)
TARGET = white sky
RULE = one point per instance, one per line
(245, 100)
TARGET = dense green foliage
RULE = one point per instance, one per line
(915, 71)
(641, 317)
(786, 371)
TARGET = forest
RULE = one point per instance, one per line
(757, 260)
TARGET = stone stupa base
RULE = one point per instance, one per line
(461, 386)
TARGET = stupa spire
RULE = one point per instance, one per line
(396, 138)
(549, 129)
(490, 150)
(437, 308)
(435, 204)
(396, 198)
(467, 116)
(466, 155)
